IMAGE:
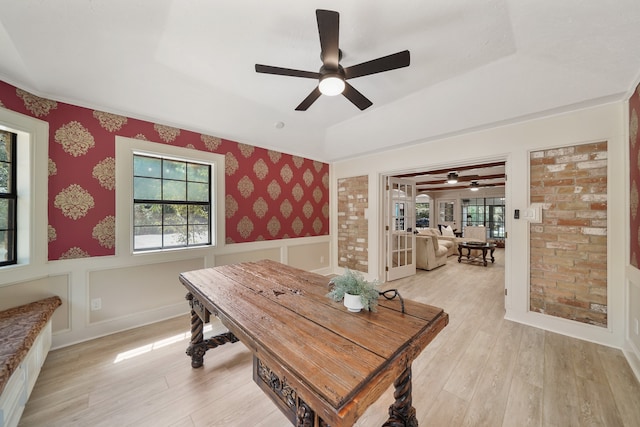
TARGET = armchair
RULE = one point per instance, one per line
(476, 233)
(429, 253)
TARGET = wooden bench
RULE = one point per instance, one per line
(25, 340)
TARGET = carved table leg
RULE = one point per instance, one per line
(196, 348)
(198, 345)
(402, 413)
(492, 257)
(484, 256)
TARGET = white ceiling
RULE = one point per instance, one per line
(190, 64)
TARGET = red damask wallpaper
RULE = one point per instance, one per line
(269, 195)
(634, 173)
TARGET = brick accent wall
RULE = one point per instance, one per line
(568, 255)
(353, 227)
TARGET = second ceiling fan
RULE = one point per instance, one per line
(332, 77)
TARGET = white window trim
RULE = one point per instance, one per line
(32, 168)
(125, 149)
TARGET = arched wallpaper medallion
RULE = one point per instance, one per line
(634, 176)
(269, 195)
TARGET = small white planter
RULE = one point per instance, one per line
(353, 302)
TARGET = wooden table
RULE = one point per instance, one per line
(322, 365)
(481, 246)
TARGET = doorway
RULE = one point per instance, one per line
(481, 179)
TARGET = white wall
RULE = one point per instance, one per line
(135, 290)
(514, 143)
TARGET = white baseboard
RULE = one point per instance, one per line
(632, 354)
(323, 271)
(583, 331)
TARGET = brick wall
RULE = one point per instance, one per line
(353, 227)
(569, 248)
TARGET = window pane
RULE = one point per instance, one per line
(147, 189)
(198, 173)
(198, 214)
(4, 214)
(198, 192)
(5, 239)
(147, 237)
(175, 214)
(146, 214)
(7, 214)
(422, 214)
(5, 177)
(147, 166)
(175, 235)
(175, 170)
(198, 234)
(5, 146)
(174, 190)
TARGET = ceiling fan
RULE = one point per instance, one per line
(332, 77)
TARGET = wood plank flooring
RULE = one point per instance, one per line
(480, 371)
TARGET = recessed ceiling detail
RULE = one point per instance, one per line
(190, 65)
(332, 77)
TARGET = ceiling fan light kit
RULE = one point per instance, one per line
(332, 78)
(452, 178)
(331, 85)
(474, 186)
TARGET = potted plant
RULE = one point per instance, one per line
(356, 292)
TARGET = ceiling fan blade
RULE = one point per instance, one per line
(310, 99)
(358, 99)
(385, 63)
(329, 30)
(268, 69)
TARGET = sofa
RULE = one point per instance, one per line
(451, 242)
(431, 252)
(471, 234)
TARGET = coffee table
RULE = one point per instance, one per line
(482, 246)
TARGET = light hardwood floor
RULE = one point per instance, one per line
(480, 371)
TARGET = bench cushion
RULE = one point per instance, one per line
(19, 327)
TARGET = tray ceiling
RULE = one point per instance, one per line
(190, 64)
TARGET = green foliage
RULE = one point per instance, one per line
(353, 282)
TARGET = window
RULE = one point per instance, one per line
(488, 212)
(447, 211)
(422, 214)
(8, 198)
(167, 198)
(171, 203)
(23, 193)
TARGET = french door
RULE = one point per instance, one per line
(400, 221)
